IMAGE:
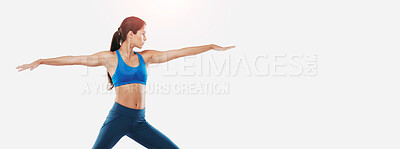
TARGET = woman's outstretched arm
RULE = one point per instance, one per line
(164, 56)
(97, 59)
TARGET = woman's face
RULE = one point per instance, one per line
(139, 38)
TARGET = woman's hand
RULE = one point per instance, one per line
(219, 48)
(31, 66)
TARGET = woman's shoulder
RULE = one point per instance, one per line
(146, 54)
(106, 54)
(149, 53)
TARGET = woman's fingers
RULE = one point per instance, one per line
(24, 67)
(31, 66)
(218, 48)
(224, 48)
(21, 67)
(230, 47)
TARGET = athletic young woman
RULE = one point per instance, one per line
(127, 71)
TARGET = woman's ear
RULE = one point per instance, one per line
(128, 35)
(131, 34)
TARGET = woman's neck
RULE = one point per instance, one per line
(126, 50)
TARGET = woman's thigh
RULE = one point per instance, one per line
(113, 129)
(148, 136)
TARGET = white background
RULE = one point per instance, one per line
(350, 103)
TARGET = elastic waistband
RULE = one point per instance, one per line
(127, 111)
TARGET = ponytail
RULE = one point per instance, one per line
(115, 45)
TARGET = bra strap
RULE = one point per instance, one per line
(140, 58)
(119, 57)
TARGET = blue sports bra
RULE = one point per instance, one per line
(125, 74)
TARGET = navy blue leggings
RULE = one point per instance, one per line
(123, 121)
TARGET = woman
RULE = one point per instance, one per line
(127, 71)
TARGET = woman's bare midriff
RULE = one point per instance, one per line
(131, 95)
